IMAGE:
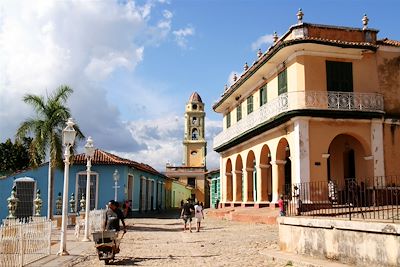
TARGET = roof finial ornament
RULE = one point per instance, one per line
(275, 37)
(226, 87)
(300, 15)
(245, 67)
(365, 20)
(259, 53)
(234, 77)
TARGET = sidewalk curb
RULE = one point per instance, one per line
(291, 259)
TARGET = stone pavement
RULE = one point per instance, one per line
(76, 248)
(159, 241)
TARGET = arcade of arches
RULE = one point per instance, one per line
(257, 174)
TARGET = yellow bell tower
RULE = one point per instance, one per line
(194, 142)
(192, 173)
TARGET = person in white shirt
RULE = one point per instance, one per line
(198, 214)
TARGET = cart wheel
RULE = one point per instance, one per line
(107, 261)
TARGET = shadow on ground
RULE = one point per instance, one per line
(140, 228)
(164, 214)
(133, 260)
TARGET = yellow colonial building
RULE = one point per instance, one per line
(321, 104)
(192, 172)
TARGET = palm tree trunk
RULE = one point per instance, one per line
(50, 192)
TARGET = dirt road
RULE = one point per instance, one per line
(161, 242)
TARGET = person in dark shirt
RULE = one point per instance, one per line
(113, 216)
(186, 214)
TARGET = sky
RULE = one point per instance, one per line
(134, 64)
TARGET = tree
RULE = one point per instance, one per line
(46, 131)
(14, 157)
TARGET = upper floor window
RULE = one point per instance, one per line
(263, 95)
(191, 181)
(250, 104)
(239, 112)
(282, 82)
(228, 120)
(339, 76)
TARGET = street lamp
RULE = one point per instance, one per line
(116, 179)
(89, 152)
(69, 134)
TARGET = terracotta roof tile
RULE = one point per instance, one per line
(104, 158)
(387, 41)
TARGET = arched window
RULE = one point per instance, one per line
(195, 134)
(25, 187)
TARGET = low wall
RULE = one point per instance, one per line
(354, 242)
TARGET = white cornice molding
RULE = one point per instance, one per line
(324, 54)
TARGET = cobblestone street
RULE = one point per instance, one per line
(161, 242)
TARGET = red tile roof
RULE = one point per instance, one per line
(387, 41)
(104, 158)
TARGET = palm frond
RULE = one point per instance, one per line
(61, 94)
(37, 102)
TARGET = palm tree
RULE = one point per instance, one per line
(46, 130)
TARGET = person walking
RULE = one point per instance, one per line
(199, 215)
(281, 206)
(113, 216)
(186, 214)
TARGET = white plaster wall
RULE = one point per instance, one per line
(356, 242)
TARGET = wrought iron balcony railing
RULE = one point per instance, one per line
(319, 100)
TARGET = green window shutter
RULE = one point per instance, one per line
(339, 76)
(250, 104)
(282, 82)
(239, 112)
(263, 95)
(228, 120)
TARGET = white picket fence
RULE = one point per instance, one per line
(24, 243)
(96, 222)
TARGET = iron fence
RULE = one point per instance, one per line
(377, 198)
(22, 243)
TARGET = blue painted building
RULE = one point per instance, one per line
(138, 182)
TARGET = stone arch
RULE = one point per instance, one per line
(239, 179)
(266, 173)
(348, 159)
(228, 178)
(284, 163)
(251, 176)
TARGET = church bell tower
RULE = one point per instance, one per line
(194, 142)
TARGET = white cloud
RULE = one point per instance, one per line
(182, 34)
(161, 141)
(265, 39)
(167, 14)
(44, 44)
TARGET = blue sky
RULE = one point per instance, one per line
(134, 64)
